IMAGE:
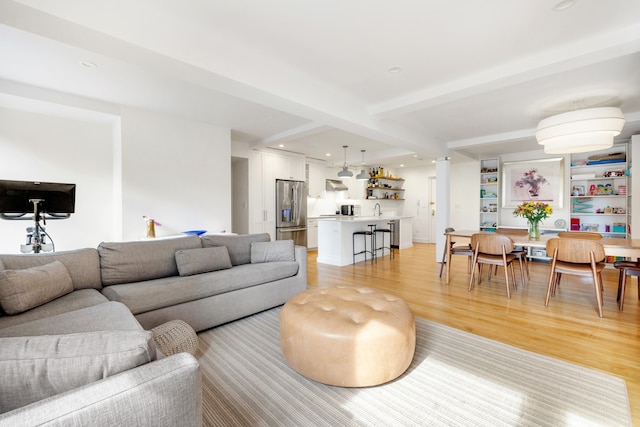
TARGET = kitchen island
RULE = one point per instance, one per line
(335, 235)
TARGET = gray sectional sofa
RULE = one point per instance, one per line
(76, 309)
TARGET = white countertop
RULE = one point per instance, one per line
(347, 218)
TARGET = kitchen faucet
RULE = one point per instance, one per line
(379, 209)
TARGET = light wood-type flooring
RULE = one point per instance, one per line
(568, 329)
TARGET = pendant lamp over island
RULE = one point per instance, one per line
(580, 131)
(362, 176)
(345, 172)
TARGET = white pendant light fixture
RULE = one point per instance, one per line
(363, 176)
(345, 172)
(579, 131)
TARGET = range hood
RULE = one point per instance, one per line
(335, 185)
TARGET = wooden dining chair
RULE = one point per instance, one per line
(492, 249)
(464, 250)
(580, 257)
(589, 235)
(627, 268)
(519, 252)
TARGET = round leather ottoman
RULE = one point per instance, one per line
(349, 337)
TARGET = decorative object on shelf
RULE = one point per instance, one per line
(362, 176)
(560, 223)
(540, 180)
(580, 131)
(151, 226)
(534, 212)
(345, 172)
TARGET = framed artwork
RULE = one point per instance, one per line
(537, 180)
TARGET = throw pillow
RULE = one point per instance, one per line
(196, 261)
(21, 290)
(278, 250)
(239, 246)
(34, 368)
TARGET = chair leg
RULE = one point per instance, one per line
(621, 288)
(506, 279)
(552, 281)
(620, 281)
(597, 283)
(444, 258)
(522, 271)
(473, 271)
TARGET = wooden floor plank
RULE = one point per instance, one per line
(568, 329)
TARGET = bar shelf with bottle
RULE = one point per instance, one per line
(381, 186)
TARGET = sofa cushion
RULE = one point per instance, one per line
(21, 290)
(202, 260)
(70, 302)
(279, 250)
(154, 294)
(239, 246)
(83, 265)
(107, 316)
(34, 368)
(125, 262)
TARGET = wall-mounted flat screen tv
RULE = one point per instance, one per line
(16, 197)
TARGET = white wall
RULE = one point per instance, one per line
(175, 171)
(416, 203)
(464, 194)
(37, 147)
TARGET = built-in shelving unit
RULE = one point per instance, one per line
(600, 192)
(489, 193)
(387, 188)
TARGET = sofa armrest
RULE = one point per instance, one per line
(301, 258)
(166, 392)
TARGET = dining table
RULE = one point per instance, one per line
(613, 246)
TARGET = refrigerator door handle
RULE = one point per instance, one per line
(293, 229)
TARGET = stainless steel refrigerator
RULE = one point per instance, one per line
(291, 211)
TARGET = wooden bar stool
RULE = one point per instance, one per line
(367, 235)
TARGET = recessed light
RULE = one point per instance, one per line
(401, 166)
(88, 64)
(281, 145)
(394, 70)
(328, 154)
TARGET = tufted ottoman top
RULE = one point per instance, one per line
(347, 336)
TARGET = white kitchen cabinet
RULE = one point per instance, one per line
(262, 186)
(312, 234)
(317, 178)
(406, 233)
(289, 167)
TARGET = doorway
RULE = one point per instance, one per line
(239, 195)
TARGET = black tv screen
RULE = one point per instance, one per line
(56, 198)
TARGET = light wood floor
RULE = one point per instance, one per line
(568, 329)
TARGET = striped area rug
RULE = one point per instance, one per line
(456, 379)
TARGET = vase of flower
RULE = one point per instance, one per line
(534, 212)
(534, 230)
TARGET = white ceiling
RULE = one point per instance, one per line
(476, 76)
